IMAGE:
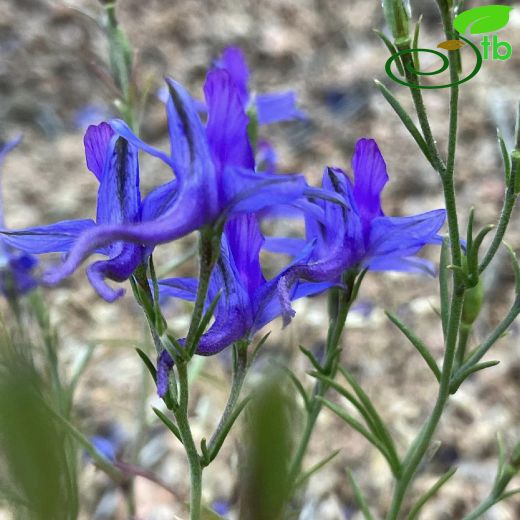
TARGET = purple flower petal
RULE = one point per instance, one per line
(370, 178)
(277, 107)
(96, 142)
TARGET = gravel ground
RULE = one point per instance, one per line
(51, 66)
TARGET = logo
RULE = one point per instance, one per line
(479, 20)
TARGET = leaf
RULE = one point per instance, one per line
(430, 493)
(451, 45)
(308, 474)
(360, 499)
(168, 423)
(484, 19)
(417, 343)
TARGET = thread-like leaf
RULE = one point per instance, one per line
(168, 423)
(417, 343)
(360, 499)
(308, 474)
(430, 493)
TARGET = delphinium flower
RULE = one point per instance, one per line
(215, 175)
(248, 301)
(358, 235)
(114, 162)
(268, 108)
(16, 268)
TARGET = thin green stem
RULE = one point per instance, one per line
(339, 311)
(420, 107)
(239, 374)
(420, 445)
(194, 461)
(207, 259)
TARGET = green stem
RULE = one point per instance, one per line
(420, 107)
(340, 311)
(239, 374)
(194, 461)
(208, 255)
(420, 445)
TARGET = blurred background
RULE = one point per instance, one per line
(52, 64)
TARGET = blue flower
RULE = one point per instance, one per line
(215, 175)
(247, 302)
(358, 235)
(269, 108)
(16, 268)
(114, 163)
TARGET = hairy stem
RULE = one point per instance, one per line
(181, 416)
(419, 447)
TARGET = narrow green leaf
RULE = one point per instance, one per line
(149, 365)
(308, 474)
(312, 359)
(351, 398)
(380, 428)
(168, 423)
(392, 50)
(473, 254)
(356, 425)
(415, 44)
(469, 231)
(506, 160)
(430, 493)
(417, 343)
(297, 384)
(509, 494)
(406, 120)
(462, 374)
(259, 346)
(360, 499)
(80, 368)
(219, 439)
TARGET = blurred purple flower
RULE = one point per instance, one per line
(270, 108)
(114, 163)
(358, 235)
(215, 175)
(91, 115)
(248, 301)
(15, 268)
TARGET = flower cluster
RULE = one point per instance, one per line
(217, 185)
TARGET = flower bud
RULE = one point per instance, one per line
(473, 299)
(397, 15)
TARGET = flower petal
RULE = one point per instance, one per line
(248, 192)
(122, 129)
(159, 200)
(404, 236)
(410, 264)
(119, 199)
(276, 107)
(54, 238)
(96, 140)
(190, 156)
(183, 288)
(227, 122)
(234, 62)
(370, 178)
